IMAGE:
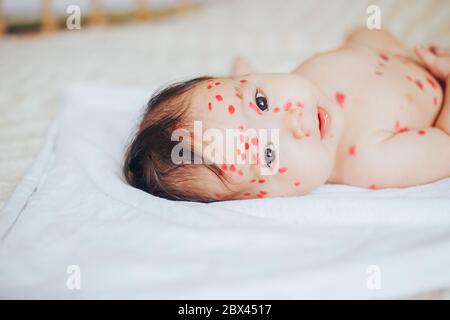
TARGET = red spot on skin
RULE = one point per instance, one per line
(240, 172)
(232, 168)
(260, 195)
(432, 82)
(307, 134)
(209, 106)
(381, 64)
(352, 150)
(209, 86)
(378, 73)
(287, 105)
(217, 195)
(340, 99)
(421, 132)
(384, 57)
(409, 78)
(282, 170)
(210, 80)
(255, 108)
(247, 146)
(224, 167)
(297, 184)
(419, 84)
(276, 110)
(231, 109)
(219, 98)
(253, 181)
(241, 128)
(238, 95)
(399, 128)
(217, 83)
(254, 141)
(435, 101)
(243, 156)
(247, 194)
(300, 105)
(243, 81)
(261, 181)
(372, 187)
(262, 192)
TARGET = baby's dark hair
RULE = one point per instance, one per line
(148, 164)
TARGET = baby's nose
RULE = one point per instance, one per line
(295, 123)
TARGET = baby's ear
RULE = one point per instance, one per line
(240, 67)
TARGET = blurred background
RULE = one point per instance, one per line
(146, 43)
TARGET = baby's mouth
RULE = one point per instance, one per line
(324, 121)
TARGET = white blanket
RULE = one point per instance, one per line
(73, 209)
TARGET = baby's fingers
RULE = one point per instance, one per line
(439, 66)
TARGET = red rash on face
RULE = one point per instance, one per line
(231, 109)
(297, 184)
(398, 128)
(209, 106)
(432, 83)
(276, 110)
(217, 83)
(262, 192)
(243, 81)
(255, 108)
(372, 187)
(384, 57)
(219, 98)
(421, 132)
(340, 99)
(261, 181)
(253, 181)
(209, 86)
(282, 170)
(287, 105)
(352, 150)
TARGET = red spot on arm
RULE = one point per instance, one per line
(372, 187)
(217, 83)
(399, 128)
(253, 181)
(432, 82)
(219, 98)
(247, 146)
(352, 150)
(419, 84)
(240, 172)
(232, 168)
(261, 181)
(276, 110)
(224, 167)
(247, 194)
(238, 95)
(209, 106)
(421, 132)
(231, 109)
(384, 57)
(243, 81)
(254, 141)
(297, 183)
(340, 99)
(209, 86)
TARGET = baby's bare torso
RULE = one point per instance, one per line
(382, 92)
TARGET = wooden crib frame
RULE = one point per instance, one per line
(49, 21)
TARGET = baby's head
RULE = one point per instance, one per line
(255, 136)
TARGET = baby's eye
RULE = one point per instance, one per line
(269, 154)
(261, 101)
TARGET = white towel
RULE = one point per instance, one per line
(73, 211)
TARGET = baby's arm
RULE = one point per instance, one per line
(408, 158)
(437, 61)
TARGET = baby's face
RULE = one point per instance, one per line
(303, 128)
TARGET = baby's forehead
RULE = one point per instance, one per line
(217, 101)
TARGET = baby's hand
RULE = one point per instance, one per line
(437, 60)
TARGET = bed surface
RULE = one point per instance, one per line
(34, 71)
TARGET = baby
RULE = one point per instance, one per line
(367, 114)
